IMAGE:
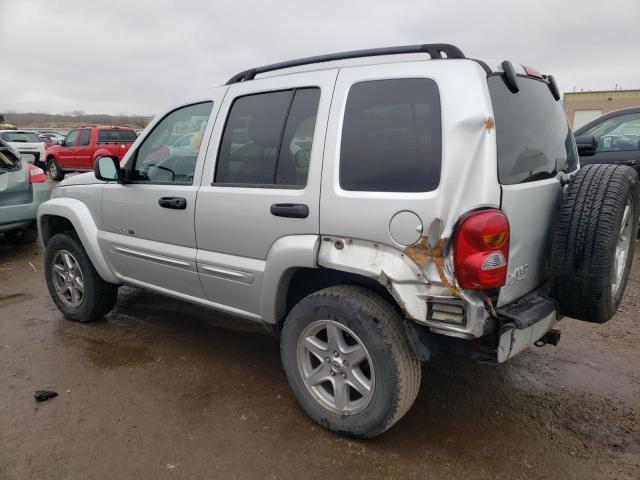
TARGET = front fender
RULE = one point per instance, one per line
(80, 217)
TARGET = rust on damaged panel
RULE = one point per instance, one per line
(424, 251)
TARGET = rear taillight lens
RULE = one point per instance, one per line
(481, 250)
(36, 175)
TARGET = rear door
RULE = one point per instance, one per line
(262, 182)
(148, 224)
(534, 144)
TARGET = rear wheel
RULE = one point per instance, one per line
(592, 248)
(74, 284)
(55, 170)
(349, 362)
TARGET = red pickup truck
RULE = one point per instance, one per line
(83, 145)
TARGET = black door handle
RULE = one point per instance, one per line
(177, 203)
(290, 210)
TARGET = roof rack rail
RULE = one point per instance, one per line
(435, 50)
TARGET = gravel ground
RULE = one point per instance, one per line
(162, 389)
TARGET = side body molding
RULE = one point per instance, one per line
(80, 217)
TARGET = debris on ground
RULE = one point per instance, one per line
(44, 395)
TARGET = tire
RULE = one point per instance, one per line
(56, 172)
(98, 297)
(584, 277)
(394, 372)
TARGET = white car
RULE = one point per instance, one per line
(29, 144)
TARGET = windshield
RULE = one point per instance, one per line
(534, 138)
(116, 136)
(24, 137)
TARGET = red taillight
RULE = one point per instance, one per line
(481, 250)
(36, 175)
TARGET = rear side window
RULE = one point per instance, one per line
(116, 136)
(534, 138)
(391, 137)
(267, 139)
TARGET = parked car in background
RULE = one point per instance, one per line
(57, 136)
(29, 144)
(23, 187)
(81, 147)
(48, 140)
(611, 138)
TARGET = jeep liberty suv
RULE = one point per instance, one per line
(373, 208)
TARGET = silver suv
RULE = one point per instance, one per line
(373, 208)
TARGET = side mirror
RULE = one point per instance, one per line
(107, 168)
(60, 142)
(587, 145)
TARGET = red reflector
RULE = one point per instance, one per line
(36, 175)
(481, 250)
(531, 72)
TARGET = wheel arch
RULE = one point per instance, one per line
(68, 214)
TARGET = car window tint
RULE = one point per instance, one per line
(533, 136)
(85, 137)
(391, 137)
(116, 136)
(159, 159)
(295, 152)
(617, 133)
(71, 138)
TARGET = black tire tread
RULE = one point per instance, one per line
(101, 296)
(363, 302)
(584, 239)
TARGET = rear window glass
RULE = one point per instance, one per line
(391, 138)
(534, 138)
(116, 136)
(24, 137)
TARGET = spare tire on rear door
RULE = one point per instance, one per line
(592, 247)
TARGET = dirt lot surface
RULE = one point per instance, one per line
(161, 389)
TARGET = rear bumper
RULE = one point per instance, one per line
(25, 212)
(525, 321)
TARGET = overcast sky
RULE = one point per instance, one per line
(116, 56)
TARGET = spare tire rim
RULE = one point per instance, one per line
(623, 246)
(67, 278)
(336, 367)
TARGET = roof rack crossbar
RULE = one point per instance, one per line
(435, 51)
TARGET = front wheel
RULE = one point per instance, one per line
(55, 170)
(349, 362)
(73, 282)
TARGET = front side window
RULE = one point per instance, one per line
(267, 139)
(72, 138)
(617, 133)
(391, 137)
(533, 135)
(164, 156)
(85, 137)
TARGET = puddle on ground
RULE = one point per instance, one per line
(107, 354)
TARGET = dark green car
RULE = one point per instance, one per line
(23, 187)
